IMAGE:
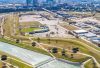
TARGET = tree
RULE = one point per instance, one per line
(74, 50)
(17, 40)
(63, 52)
(11, 66)
(54, 50)
(72, 55)
(33, 44)
(38, 40)
(52, 33)
(47, 35)
(77, 37)
(3, 57)
(49, 40)
(56, 41)
(2, 36)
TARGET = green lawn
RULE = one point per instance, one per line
(34, 23)
(70, 43)
(89, 64)
(14, 62)
(0, 64)
(24, 46)
(29, 29)
(61, 43)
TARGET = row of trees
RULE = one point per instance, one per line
(55, 50)
(49, 40)
(63, 52)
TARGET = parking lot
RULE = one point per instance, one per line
(92, 28)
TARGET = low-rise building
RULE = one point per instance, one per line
(80, 32)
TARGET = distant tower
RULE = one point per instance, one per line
(29, 2)
(50, 2)
(59, 1)
(35, 3)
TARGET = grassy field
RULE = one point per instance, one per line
(8, 26)
(9, 23)
(26, 24)
(77, 57)
(28, 47)
(29, 29)
(90, 64)
(69, 27)
(39, 50)
(70, 43)
(0, 64)
(14, 62)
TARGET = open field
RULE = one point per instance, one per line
(70, 43)
(90, 64)
(26, 24)
(29, 29)
(97, 16)
(9, 25)
(77, 57)
(0, 64)
(36, 49)
(14, 61)
(21, 45)
(80, 14)
(68, 27)
(28, 47)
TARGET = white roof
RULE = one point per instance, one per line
(80, 31)
(90, 35)
(96, 41)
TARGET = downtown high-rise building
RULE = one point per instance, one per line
(29, 2)
(35, 3)
(32, 2)
(50, 2)
(59, 1)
